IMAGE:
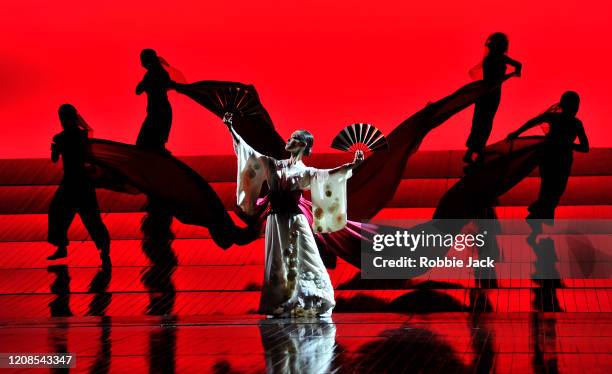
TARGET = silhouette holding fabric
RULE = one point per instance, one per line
(153, 135)
(183, 192)
(155, 84)
(76, 192)
(556, 158)
(493, 71)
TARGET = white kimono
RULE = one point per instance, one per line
(296, 283)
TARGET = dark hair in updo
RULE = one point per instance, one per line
(307, 138)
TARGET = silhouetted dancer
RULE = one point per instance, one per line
(76, 192)
(556, 158)
(155, 84)
(156, 225)
(493, 71)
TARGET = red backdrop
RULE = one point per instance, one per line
(318, 65)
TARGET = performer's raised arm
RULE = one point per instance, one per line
(359, 157)
(228, 119)
(542, 118)
(252, 170)
(518, 67)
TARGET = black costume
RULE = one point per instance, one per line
(156, 126)
(76, 193)
(555, 163)
(485, 108)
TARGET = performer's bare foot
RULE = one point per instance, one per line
(61, 252)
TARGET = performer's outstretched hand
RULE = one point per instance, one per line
(359, 157)
(228, 118)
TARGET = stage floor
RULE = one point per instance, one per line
(351, 342)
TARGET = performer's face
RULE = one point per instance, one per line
(294, 144)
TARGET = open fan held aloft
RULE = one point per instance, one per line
(252, 121)
(220, 97)
(360, 137)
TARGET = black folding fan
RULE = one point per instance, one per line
(360, 136)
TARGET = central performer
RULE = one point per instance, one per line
(296, 283)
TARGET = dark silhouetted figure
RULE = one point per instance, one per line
(556, 158)
(153, 135)
(76, 192)
(156, 82)
(493, 71)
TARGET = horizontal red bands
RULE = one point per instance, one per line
(33, 227)
(411, 193)
(425, 164)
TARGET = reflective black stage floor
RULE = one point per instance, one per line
(356, 342)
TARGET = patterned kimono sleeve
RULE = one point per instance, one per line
(328, 193)
(252, 172)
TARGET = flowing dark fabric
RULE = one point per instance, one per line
(193, 201)
(183, 192)
(507, 163)
(382, 171)
(251, 120)
(472, 198)
(76, 193)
